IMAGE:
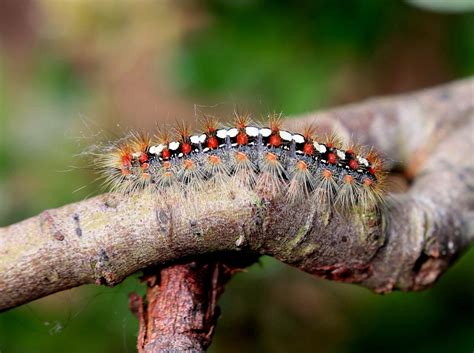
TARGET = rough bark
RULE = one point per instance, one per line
(180, 310)
(427, 135)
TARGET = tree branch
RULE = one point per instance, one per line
(426, 134)
(180, 312)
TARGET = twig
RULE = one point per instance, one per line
(180, 311)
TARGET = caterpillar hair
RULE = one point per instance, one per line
(272, 161)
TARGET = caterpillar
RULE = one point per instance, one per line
(269, 159)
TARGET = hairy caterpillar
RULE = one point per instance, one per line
(267, 158)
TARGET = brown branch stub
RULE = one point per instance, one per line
(180, 310)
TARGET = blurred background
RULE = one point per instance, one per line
(70, 69)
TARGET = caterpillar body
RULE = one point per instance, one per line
(268, 159)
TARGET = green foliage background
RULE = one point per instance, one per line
(71, 69)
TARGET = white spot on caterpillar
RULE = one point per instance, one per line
(152, 149)
(174, 145)
(222, 133)
(159, 148)
(341, 154)
(265, 132)
(252, 131)
(202, 138)
(319, 148)
(285, 135)
(194, 139)
(298, 138)
(232, 132)
(363, 161)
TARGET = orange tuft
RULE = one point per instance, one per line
(143, 158)
(301, 165)
(125, 155)
(353, 149)
(140, 142)
(376, 165)
(309, 132)
(167, 165)
(271, 157)
(373, 157)
(186, 148)
(126, 160)
(332, 159)
(183, 129)
(348, 179)
(241, 156)
(212, 142)
(163, 136)
(242, 138)
(308, 148)
(241, 120)
(188, 164)
(353, 164)
(214, 159)
(275, 140)
(125, 171)
(166, 154)
(327, 173)
(210, 124)
(332, 140)
(275, 122)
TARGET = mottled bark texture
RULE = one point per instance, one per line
(180, 310)
(427, 135)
